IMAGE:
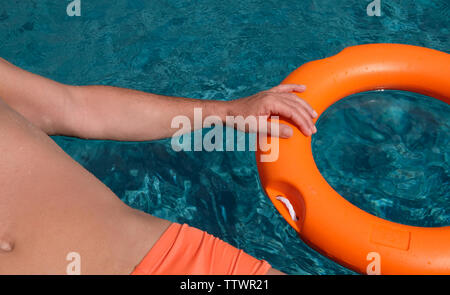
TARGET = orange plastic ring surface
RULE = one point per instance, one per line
(326, 221)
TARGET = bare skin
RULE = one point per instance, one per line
(51, 206)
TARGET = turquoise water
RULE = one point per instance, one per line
(213, 50)
(389, 154)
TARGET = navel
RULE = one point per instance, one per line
(6, 245)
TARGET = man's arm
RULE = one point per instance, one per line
(105, 112)
(40, 100)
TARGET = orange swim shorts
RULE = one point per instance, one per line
(184, 250)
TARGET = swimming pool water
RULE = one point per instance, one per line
(207, 49)
(389, 154)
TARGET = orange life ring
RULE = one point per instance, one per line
(326, 221)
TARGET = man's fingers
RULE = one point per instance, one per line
(301, 116)
(301, 103)
(297, 116)
(282, 130)
(281, 100)
(289, 88)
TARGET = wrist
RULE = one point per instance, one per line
(220, 109)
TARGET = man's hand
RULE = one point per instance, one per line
(278, 101)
